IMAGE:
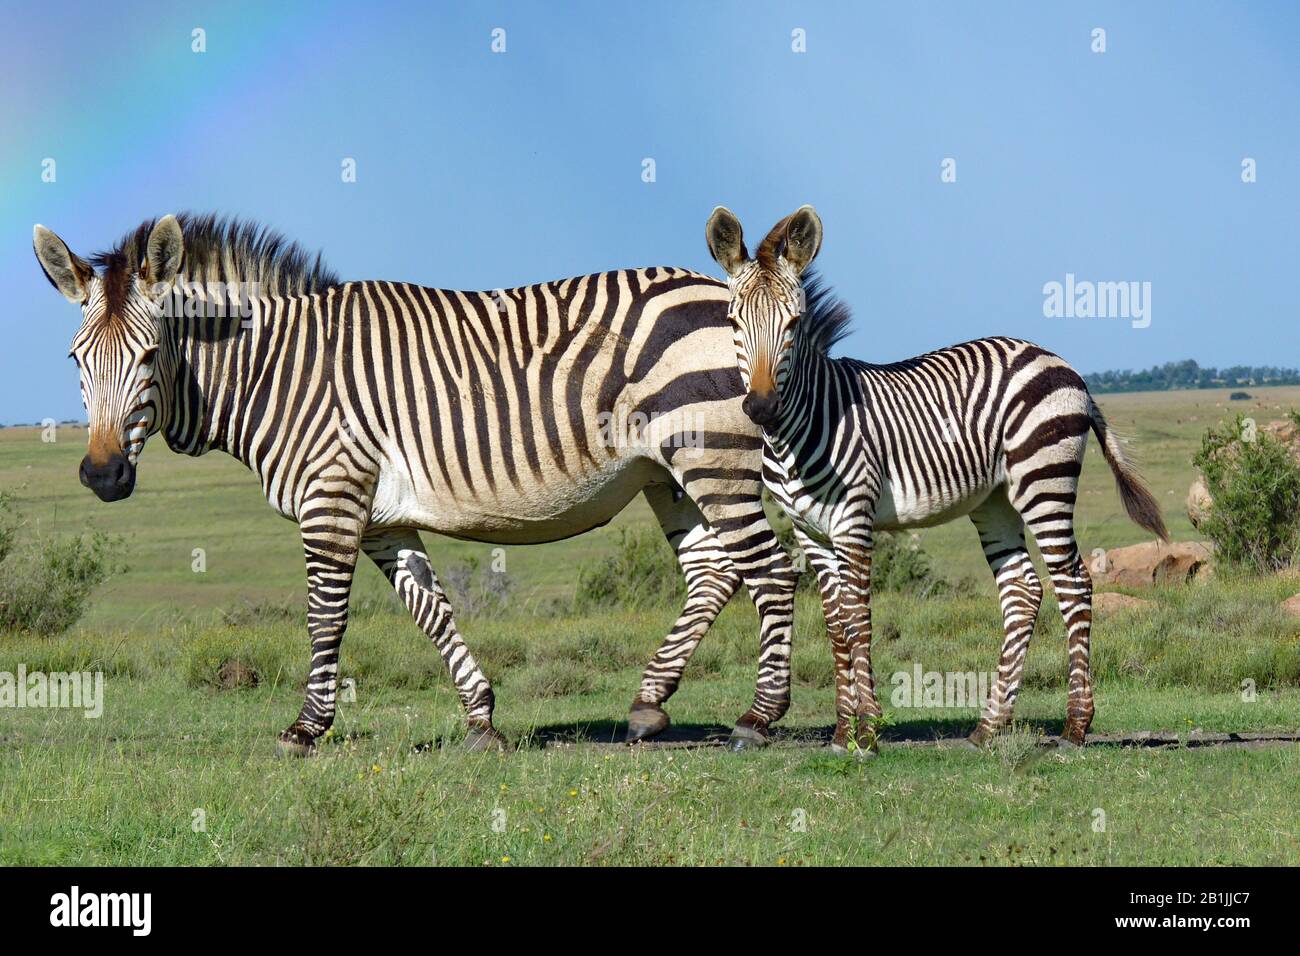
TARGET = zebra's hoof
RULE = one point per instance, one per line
(1073, 735)
(294, 743)
(484, 740)
(645, 721)
(744, 737)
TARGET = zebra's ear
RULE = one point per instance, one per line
(68, 273)
(164, 253)
(726, 240)
(803, 238)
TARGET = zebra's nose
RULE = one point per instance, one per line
(762, 410)
(111, 480)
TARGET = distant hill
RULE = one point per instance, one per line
(1186, 375)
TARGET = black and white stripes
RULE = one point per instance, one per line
(369, 410)
(994, 429)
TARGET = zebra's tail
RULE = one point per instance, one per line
(1138, 501)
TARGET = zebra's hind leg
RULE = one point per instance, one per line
(1045, 495)
(1002, 536)
(771, 580)
(331, 528)
(710, 582)
(1073, 587)
(826, 566)
(400, 555)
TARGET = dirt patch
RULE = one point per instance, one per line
(1109, 602)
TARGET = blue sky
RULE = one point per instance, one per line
(479, 170)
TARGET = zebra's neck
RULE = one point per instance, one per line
(806, 380)
(224, 370)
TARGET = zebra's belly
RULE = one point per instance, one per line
(896, 509)
(535, 513)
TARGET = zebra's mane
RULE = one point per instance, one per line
(826, 319)
(225, 249)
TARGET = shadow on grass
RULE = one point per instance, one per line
(930, 730)
(938, 731)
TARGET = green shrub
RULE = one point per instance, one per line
(643, 573)
(901, 566)
(474, 589)
(551, 679)
(262, 650)
(45, 584)
(1255, 483)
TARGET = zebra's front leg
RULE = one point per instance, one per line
(854, 554)
(827, 568)
(330, 537)
(400, 555)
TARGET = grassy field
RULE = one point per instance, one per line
(178, 771)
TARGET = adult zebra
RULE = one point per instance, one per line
(372, 409)
(995, 429)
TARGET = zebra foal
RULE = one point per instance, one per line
(995, 429)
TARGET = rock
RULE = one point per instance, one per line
(1198, 502)
(233, 675)
(1286, 432)
(1292, 605)
(1108, 602)
(1152, 562)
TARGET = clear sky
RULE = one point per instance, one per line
(477, 169)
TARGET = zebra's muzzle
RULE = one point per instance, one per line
(763, 410)
(112, 480)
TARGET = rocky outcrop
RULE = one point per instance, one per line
(1152, 562)
(1198, 502)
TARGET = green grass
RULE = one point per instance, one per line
(125, 788)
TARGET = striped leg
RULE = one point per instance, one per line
(827, 569)
(742, 529)
(710, 582)
(1047, 504)
(1073, 587)
(400, 555)
(1002, 535)
(331, 531)
(854, 553)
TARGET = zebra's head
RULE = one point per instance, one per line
(116, 349)
(766, 299)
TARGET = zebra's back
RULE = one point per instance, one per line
(533, 413)
(934, 433)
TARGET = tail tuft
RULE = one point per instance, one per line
(1138, 501)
